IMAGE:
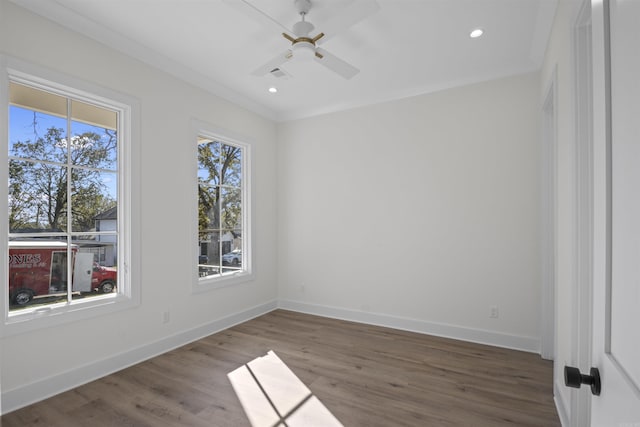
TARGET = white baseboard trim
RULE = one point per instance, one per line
(497, 339)
(47, 387)
(561, 405)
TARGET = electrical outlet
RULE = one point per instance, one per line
(494, 313)
(165, 317)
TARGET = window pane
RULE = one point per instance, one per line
(95, 270)
(231, 165)
(93, 199)
(37, 100)
(38, 136)
(93, 146)
(94, 115)
(37, 197)
(38, 273)
(231, 211)
(103, 247)
(209, 259)
(232, 251)
(208, 207)
(208, 162)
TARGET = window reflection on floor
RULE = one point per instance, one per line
(272, 395)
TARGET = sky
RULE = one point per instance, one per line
(21, 129)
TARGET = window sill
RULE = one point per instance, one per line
(28, 320)
(206, 284)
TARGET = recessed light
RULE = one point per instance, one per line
(476, 33)
(273, 89)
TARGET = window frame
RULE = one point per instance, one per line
(127, 108)
(224, 136)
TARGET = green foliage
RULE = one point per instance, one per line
(39, 174)
(219, 180)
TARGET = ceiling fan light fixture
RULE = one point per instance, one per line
(303, 50)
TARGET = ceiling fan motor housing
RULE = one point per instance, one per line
(302, 28)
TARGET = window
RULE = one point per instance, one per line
(222, 209)
(66, 199)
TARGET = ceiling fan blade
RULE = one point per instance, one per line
(272, 64)
(335, 64)
(354, 13)
(258, 15)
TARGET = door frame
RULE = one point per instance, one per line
(548, 220)
(584, 174)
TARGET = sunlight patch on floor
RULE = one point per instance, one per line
(272, 395)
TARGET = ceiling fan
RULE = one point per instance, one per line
(305, 44)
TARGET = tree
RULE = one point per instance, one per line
(19, 200)
(221, 165)
(39, 174)
(219, 193)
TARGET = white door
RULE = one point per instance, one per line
(616, 256)
(82, 272)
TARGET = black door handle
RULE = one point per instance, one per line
(573, 378)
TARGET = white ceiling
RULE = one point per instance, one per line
(406, 48)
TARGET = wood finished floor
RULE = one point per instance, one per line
(366, 376)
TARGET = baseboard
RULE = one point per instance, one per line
(561, 405)
(498, 339)
(47, 387)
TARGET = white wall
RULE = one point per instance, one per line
(420, 213)
(42, 362)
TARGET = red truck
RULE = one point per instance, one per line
(38, 268)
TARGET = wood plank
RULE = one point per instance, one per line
(365, 375)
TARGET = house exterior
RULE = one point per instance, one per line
(106, 251)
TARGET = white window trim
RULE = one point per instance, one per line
(206, 284)
(15, 70)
